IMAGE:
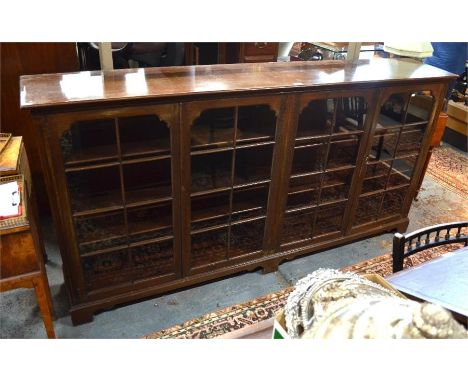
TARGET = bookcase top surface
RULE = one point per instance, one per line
(84, 88)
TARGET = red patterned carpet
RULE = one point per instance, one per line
(237, 316)
(448, 167)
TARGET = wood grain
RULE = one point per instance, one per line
(84, 88)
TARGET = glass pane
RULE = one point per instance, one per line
(89, 140)
(336, 185)
(248, 203)
(107, 269)
(402, 171)
(255, 124)
(420, 107)
(95, 188)
(393, 110)
(376, 176)
(375, 169)
(303, 199)
(316, 119)
(154, 259)
(98, 232)
(211, 171)
(343, 153)
(145, 134)
(302, 183)
(297, 226)
(350, 115)
(303, 191)
(329, 219)
(214, 128)
(149, 222)
(210, 210)
(410, 140)
(308, 159)
(393, 202)
(384, 145)
(253, 164)
(208, 247)
(146, 181)
(246, 238)
(368, 208)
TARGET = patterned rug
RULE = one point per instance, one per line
(447, 166)
(238, 316)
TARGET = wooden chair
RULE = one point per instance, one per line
(411, 243)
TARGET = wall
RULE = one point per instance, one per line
(17, 59)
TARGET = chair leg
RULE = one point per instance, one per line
(44, 301)
(397, 263)
(398, 252)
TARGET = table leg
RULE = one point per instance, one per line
(45, 304)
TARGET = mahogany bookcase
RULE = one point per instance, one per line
(162, 178)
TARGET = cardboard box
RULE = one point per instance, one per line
(458, 117)
(279, 325)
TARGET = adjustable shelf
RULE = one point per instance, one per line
(92, 154)
(146, 148)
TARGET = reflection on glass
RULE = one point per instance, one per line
(82, 85)
(135, 83)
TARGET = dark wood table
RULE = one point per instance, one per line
(442, 281)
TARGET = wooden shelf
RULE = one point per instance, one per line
(210, 213)
(149, 147)
(247, 144)
(90, 166)
(147, 226)
(203, 136)
(385, 122)
(392, 188)
(92, 154)
(148, 195)
(97, 203)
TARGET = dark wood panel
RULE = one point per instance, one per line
(19, 59)
(193, 81)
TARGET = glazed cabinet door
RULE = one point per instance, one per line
(117, 192)
(324, 155)
(227, 154)
(397, 147)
